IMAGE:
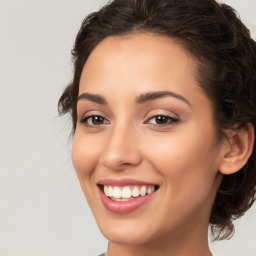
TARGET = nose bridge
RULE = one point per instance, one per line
(122, 147)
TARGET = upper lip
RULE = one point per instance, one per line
(123, 182)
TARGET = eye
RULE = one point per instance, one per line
(162, 120)
(94, 120)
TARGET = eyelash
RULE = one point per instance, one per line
(171, 121)
(85, 121)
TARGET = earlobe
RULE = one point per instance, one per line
(237, 149)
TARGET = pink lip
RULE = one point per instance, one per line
(124, 206)
(123, 182)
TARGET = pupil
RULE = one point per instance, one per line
(161, 119)
(97, 120)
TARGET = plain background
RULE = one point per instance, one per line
(42, 209)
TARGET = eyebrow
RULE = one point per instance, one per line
(143, 98)
(159, 94)
(92, 97)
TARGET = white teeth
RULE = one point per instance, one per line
(106, 190)
(135, 192)
(117, 192)
(143, 191)
(126, 193)
(121, 199)
(150, 189)
(110, 191)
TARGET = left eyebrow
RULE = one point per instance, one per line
(145, 97)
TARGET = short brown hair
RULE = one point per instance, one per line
(226, 53)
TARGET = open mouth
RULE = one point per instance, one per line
(128, 192)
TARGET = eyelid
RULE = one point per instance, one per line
(162, 113)
(85, 119)
(172, 119)
(88, 124)
(91, 113)
(90, 116)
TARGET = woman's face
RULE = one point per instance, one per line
(145, 126)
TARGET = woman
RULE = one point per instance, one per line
(163, 109)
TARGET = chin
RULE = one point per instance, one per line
(127, 235)
(127, 239)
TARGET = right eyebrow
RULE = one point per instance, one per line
(92, 97)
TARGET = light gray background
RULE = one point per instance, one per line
(42, 210)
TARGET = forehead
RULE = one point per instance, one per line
(140, 43)
(135, 63)
(143, 50)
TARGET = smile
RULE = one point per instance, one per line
(118, 197)
(127, 192)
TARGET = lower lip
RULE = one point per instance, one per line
(124, 206)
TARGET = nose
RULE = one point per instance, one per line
(122, 149)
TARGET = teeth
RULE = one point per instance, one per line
(121, 199)
(126, 193)
(135, 192)
(106, 190)
(143, 191)
(117, 193)
(110, 191)
(149, 190)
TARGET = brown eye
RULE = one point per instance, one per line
(162, 120)
(94, 121)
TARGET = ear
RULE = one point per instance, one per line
(237, 149)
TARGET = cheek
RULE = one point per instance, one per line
(185, 159)
(84, 155)
(188, 166)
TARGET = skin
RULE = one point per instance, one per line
(182, 157)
